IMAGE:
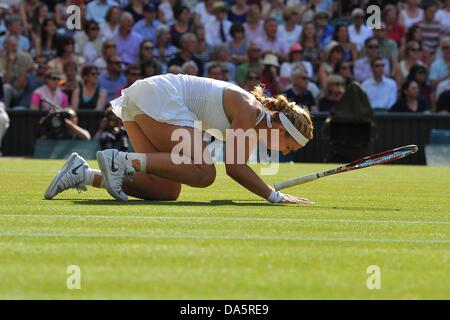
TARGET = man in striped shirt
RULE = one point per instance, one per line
(430, 29)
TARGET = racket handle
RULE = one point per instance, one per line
(295, 181)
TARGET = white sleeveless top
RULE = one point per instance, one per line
(180, 100)
(408, 21)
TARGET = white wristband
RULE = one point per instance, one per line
(275, 197)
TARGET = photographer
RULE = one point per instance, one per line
(63, 124)
(111, 133)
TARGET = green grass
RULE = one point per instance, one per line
(225, 243)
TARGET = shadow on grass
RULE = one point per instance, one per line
(212, 203)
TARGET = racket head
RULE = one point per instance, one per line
(383, 157)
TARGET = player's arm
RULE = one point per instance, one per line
(238, 152)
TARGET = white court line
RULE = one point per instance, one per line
(206, 237)
(244, 219)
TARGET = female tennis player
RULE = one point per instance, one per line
(153, 108)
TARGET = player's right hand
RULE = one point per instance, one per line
(296, 200)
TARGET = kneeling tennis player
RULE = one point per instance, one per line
(153, 108)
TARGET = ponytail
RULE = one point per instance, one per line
(298, 115)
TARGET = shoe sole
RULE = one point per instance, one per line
(104, 168)
(62, 172)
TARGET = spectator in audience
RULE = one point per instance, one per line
(136, 8)
(252, 79)
(203, 12)
(274, 10)
(411, 58)
(150, 68)
(40, 13)
(381, 90)
(238, 12)
(430, 29)
(414, 34)
(412, 13)
(295, 57)
(221, 56)
(299, 92)
(419, 74)
(395, 30)
(409, 100)
(97, 9)
(14, 28)
(342, 37)
(269, 74)
(89, 95)
(65, 51)
(14, 66)
(164, 51)
(174, 69)
(238, 45)
(3, 9)
(166, 11)
(312, 51)
(61, 14)
(254, 27)
(132, 73)
(89, 43)
(146, 57)
(442, 87)
(443, 16)
(72, 80)
(33, 80)
(253, 64)
(4, 123)
(443, 105)
(358, 31)
(203, 49)
(218, 30)
(26, 11)
(112, 77)
(333, 91)
(323, 28)
(188, 43)
(387, 48)
(147, 26)
(290, 31)
(215, 71)
(50, 92)
(127, 40)
(109, 28)
(344, 69)
(270, 42)
(363, 68)
(45, 42)
(190, 68)
(182, 24)
(439, 70)
(108, 50)
(335, 54)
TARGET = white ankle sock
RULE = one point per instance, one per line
(137, 160)
(93, 177)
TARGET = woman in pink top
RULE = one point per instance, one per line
(50, 92)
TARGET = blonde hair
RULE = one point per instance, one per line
(298, 115)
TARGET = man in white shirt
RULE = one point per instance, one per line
(96, 10)
(358, 31)
(362, 68)
(217, 32)
(271, 41)
(381, 90)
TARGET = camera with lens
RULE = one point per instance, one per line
(54, 125)
(113, 134)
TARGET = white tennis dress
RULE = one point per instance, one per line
(177, 99)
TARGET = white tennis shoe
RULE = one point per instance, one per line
(71, 175)
(114, 169)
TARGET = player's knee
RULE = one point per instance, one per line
(207, 175)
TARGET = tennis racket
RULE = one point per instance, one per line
(378, 158)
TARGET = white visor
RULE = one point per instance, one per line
(293, 131)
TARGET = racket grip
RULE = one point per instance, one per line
(295, 181)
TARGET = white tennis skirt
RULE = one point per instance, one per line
(157, 97)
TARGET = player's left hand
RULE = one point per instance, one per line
(296, 200)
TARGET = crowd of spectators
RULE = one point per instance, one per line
(308, 49)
